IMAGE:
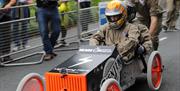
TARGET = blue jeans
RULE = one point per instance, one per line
(44, 16)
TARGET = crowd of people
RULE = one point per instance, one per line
(131, 24)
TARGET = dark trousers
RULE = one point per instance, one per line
(20, 29)
(5, 35)
(64, 32)
(85, 15)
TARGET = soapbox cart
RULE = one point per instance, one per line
(96, 68)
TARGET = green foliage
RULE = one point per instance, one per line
(32, 11)
(72, 5)
(70, 19)
(95, 2)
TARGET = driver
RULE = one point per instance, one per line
(125, 36)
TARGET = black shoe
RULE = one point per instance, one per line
(172, 29)
(63, 42)
(54, 54)
(176, 29)
(7, 58)
(164, 27)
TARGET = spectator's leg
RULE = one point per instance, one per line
(84, 19)
(16, 35)
(63, 34)
(24, 34)
(176, 14)
(178, 6)
(5, 38)
(170, 13)
(25, 27)
(15, 30)
(55, 24)
(42, 17)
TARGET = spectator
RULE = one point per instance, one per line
(63, 8)
(47, 11)
(149, 13)
(173, 7)
(20, 29)
(125, 36)
(85, 16)
(5, 40)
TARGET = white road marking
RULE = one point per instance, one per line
(163, 38)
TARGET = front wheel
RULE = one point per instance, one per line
(110, 85)
(154, 71)
(31, 82)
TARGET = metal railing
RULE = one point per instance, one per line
(74, 32)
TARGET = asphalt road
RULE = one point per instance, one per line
(169, 49)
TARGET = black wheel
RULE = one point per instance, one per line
(31, 82)
(111, 85)
(154, 71)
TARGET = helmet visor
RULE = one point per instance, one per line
(114, 18)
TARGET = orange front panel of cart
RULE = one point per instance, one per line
(65, 82)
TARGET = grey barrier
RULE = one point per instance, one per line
(74, 34)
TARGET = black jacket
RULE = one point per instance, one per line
(4, 16)
(47, 3)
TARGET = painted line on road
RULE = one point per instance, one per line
(163, 38)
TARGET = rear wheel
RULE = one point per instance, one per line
(110, 85)
(154, 71)
(31, 82)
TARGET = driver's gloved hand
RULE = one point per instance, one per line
(141, 49)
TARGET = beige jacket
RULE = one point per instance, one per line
(126, 39)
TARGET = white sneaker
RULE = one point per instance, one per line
(26, 46)
(16, 49)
